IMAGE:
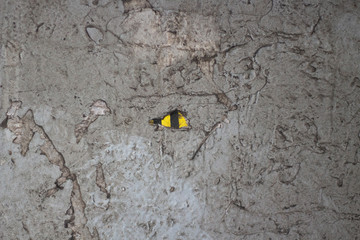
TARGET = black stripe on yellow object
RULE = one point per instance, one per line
(174, 119)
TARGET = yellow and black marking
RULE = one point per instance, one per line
(175, 120)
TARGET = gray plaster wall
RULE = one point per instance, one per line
(271, 89)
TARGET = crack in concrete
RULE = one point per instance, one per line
(26, 228)
(220, 96)
(315, 25)
(208, 134)
(225, 100)
(24, 129)
(100, 179)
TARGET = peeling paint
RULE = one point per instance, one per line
(271, 89)
(98, 108)
(24, 129)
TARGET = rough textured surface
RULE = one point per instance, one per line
(271, 88)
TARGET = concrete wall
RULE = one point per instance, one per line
(271, 90)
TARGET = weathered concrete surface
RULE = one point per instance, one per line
(273, 85)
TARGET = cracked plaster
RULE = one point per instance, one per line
(271, 88)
